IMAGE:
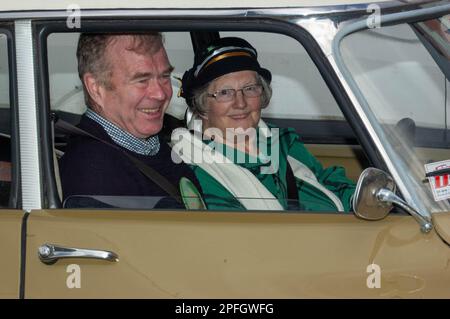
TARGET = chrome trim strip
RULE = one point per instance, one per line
(29, 152)
(394, 165)
(288, 12)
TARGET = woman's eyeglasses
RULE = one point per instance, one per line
(228, 95)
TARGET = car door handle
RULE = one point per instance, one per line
(50, 254)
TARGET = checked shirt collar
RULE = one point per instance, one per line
(149, 146)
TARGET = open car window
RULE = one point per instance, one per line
(301, 101)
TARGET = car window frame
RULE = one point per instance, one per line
(401, 178)
(43, 28)
(15, 202)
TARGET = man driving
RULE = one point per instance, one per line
(127, 88)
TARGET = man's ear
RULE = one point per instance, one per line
(94, 88)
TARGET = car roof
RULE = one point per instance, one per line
(27, 5)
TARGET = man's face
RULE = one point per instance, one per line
(140, 89)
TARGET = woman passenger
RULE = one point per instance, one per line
(241, 161)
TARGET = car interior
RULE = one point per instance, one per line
(301, 98)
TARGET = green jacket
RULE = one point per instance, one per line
(333, 178)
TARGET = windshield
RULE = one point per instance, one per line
(403, 74)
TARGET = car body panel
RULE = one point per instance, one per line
(442, 224)
(10, 246)
(222, 255)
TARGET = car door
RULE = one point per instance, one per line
(209, 254)
(234, 255)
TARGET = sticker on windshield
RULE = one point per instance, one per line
(438, 176)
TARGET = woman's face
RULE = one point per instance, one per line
(241, 112)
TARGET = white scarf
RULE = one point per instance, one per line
(239, 181)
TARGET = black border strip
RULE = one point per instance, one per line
(15, 194)
(120, 24)
(23, 255)
(16, 191)
(49, 189)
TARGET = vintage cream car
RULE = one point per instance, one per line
(364, 84)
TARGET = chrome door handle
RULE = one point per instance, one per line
(50, 254)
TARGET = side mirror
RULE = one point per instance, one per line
(366, 203)
(375, 195)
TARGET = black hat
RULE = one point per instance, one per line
(220, 57)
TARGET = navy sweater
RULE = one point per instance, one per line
(90, 167)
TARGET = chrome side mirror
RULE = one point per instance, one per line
(375, 195)
(365, 200)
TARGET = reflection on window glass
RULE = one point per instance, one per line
(403, 73)
(437, 34)
(5, 125)
(397, 75)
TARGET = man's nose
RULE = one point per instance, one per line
(159, 91)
